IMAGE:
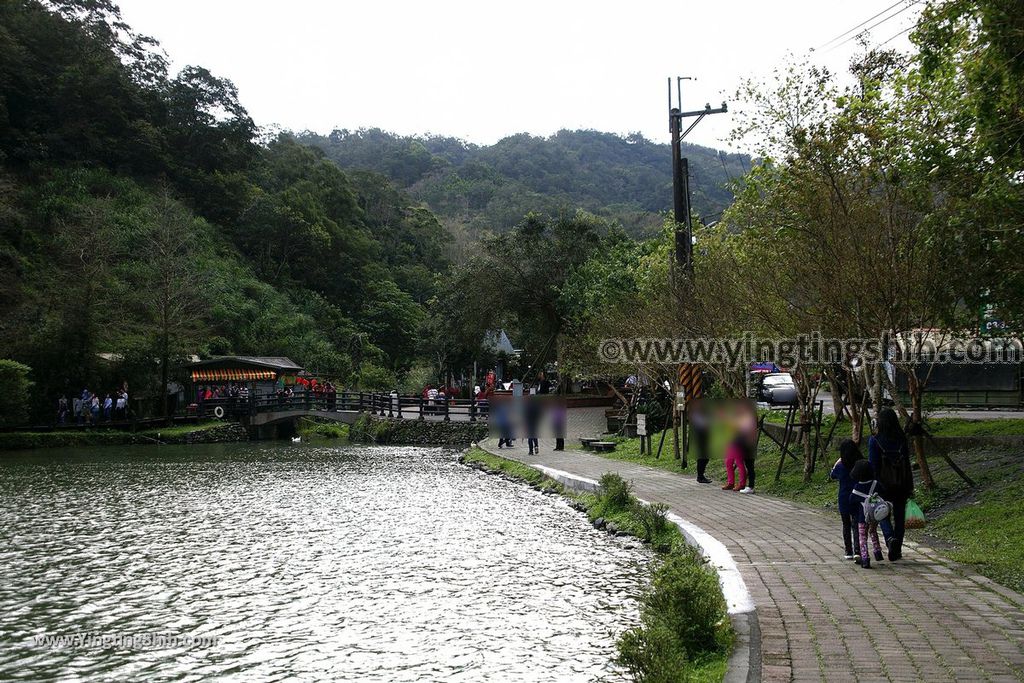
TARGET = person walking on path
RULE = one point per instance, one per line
(866, 496)
(62, 410)
(734, 461)
(559, 418)
(532, 416)
(842, 471)
(889, 455)
(503, 419)
(701, 423)
(748, 439)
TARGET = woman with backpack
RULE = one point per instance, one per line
(889, 456)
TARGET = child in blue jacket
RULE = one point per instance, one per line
(867, 524)
(849, 454)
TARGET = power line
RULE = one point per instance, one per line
(846, 33)
(875, 25)
(906, 30)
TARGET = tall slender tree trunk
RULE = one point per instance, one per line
(916, 396)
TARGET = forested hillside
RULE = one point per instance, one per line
(143, 219)
(474, 188)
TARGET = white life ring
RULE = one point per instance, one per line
(218, 412)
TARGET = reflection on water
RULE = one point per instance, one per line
(310, 563)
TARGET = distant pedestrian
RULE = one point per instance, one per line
(559, 417)
(842, 472)
(94, 408)
(503, 420)
(889, 455)
(748, 442)
(108, 408)
(866, 497)
(532, 417)
(76, 409)
(700, 421)
(62, 410)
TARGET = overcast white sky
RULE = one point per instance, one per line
(483, 70)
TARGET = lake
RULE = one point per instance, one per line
(279, 561)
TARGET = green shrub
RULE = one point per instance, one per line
(327, 430)
(417, 377)
(14, 398)
(683, 621)
(614, 493)
(652, 655)
(375, 378)
(653, 519)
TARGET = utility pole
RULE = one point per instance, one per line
(690, 379)
(681, 173)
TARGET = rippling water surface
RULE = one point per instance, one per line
(303, 563)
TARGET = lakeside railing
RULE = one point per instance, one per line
(393, 405)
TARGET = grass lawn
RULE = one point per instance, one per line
(979, 526)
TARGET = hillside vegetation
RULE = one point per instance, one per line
(491, 187)
(143, 218)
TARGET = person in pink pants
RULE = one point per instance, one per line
(734, 462)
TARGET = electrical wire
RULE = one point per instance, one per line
(906, 30)
(846, 33)
(875, 25)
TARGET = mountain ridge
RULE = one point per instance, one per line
(475, 188)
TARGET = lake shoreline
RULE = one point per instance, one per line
(201, 433)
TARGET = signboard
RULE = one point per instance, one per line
(991, 323)
(641, 424)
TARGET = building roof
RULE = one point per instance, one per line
(498, 341)
(277, 363)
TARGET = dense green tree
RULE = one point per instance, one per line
(14, 400)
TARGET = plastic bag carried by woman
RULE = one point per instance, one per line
(915, 515)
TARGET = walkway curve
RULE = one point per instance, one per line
(820, 617)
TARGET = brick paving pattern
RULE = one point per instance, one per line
(821, 617)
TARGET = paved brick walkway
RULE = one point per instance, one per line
(823, 618)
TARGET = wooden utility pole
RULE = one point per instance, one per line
(683, 266)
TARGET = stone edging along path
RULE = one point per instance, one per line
(816, 616)
(744, 662)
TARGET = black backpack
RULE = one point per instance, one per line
(894, 470)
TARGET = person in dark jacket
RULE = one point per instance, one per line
(532, 417)
(700, 422)
(842, 471)
(503, 418)
(889, 455)
(558, 422)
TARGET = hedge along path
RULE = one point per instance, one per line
(814, 616)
